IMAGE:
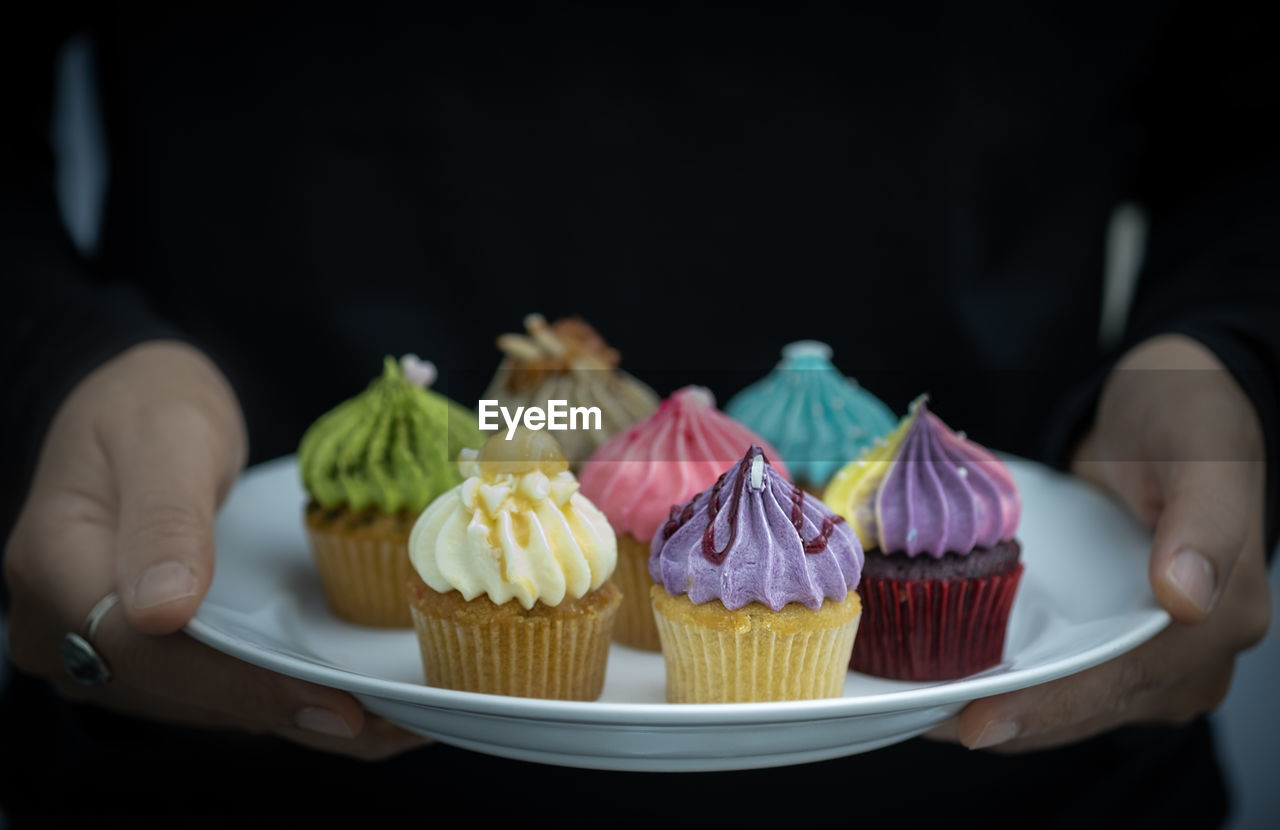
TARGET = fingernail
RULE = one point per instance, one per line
(996, 732)
(324, 721)
(1193, 575)
(163, 582)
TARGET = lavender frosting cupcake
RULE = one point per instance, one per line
(755, 595)
(937, 515)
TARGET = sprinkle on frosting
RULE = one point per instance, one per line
(417, 371)
(757, 472)
(817, 418)
(390, 447)
(926, 489)
(567, 344)
(666, 459)
(515, 528)
(755, 537)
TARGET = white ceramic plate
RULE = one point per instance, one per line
(1084, 599)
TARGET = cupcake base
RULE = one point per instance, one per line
(559, 652)
(635, 626)
(717, 655)
(363, 562)
(928, 619)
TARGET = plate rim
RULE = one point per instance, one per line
(1153, 619)
(675, 714)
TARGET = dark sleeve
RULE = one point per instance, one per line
(1208, 179)
(57, 319)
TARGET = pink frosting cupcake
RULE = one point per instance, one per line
(639, 474)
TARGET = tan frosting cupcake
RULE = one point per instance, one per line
(510, 592)
(568, 360)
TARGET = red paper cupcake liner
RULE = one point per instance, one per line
(933, 629)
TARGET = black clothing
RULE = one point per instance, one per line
(1137, 778)
(925, 189)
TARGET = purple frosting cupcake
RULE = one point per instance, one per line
(753, 536)
(755, 595)
(938, 515)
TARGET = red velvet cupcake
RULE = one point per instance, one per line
(937, 515)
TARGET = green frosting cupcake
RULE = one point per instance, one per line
(394, 447)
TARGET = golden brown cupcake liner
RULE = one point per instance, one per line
(715, 655)
(363, 569)
(635, 626)
(558, 652)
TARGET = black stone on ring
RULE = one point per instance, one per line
(81, 660)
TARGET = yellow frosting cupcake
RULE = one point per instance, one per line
(510, 592)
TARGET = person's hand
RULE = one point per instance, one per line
(1176, 440)
(132, 471)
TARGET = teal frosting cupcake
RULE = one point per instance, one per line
(817, 418)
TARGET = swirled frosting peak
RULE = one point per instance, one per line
(755, 537)
(666, 459)
(926, 489)
(515, 528)
(392, 446)
(816, 417)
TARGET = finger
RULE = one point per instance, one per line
(379, 740)
(1201, 532)
(1196, 694)
(171, 675)
(177, 668)
(945, 731)
(1181, 672)
(1105, 694)
(56, 569)
(171, 475)
(174, 677)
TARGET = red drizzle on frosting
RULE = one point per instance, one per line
(680, 514)
(818, 543)
(715, 557)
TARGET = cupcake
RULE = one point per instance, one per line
(369, 467)
(816, 417)
(510, 592)
(569, 361)
(754, 592)
(937, 516)
(635, 478)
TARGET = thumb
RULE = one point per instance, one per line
(1200, 532)
(173, 472)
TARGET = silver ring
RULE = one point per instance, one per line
(79, 657)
